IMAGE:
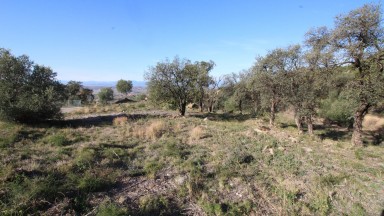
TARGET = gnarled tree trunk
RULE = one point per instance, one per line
(310, 124)
(182, 108)
(358, 123)
(272, 113)
(201, 105)
(240, 105)
(298, 122)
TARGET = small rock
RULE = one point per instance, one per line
(292, 139)
(281, 148)
(122, 199)
(271, 151)
(180, 180)
(206, 119)
(306, 149)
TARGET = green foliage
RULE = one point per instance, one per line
(105, 95)
(124, 86)
(337, 109)
(28, 92)
(140, 97)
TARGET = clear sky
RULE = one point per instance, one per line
(106, 40)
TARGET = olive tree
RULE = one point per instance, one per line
(124, 86)
(28, 92)
(105, 95)
(173, 82)
(272, 76)
(308, 84)
(358, 39)
(212, 93)
(203, 80)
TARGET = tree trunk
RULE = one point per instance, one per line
(298, 122)
(182, 107)
(358, 124)
(241, 107)
(310, 124)
(256, 107)
(210, 108)
(201, 105)
(272, 114)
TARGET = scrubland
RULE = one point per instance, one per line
(130, 159)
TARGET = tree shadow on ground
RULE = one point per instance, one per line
(375, 137)
(287, 125)
(102, 120)
(334, 134)
(222, 116)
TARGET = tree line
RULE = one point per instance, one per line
(339, 68)
(29, 92)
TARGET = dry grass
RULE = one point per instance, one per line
(227, 169)
(373, 123)
(155, 130)
(196, 133)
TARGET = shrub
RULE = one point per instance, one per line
(105, 95)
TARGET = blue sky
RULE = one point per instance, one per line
(109, 40)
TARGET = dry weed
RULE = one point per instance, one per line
(119, 121)
(155, 130)
(138, 132)
(196, 133)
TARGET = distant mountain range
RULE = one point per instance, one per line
(108, 83)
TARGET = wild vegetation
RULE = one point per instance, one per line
(274, 139)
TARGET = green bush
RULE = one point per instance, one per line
(105, 95)
(339, 110)
(28, 92)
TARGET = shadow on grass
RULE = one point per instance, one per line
(102, 120)
(335, 134)
(375, 137)
(287, 125)
(222, 116)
